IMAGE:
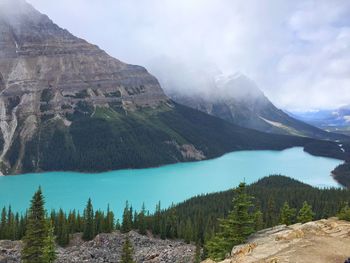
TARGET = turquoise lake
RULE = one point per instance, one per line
(168, 184)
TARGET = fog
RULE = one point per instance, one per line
(297, 52)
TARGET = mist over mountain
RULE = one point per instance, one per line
(293, 50)
(237, 99)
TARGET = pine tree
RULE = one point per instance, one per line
(62, 229)
(287, 214)
(197, 255)
(142, 221)
(157, 220)
(258, 220)
(235, 228)
(188, 231)
(271, 214)
(36, 233)
(118, 225)
(127, 252)
(49, 253)
(344, 213)
(88, 232)
(127, 219)
(305, 213)
(109, 221)
(3, 223)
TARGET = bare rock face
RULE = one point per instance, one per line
(46, 73)
(323, 241)
(108, 248)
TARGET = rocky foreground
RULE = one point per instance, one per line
(108, 247)
(323, 241)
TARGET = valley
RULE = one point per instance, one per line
(192, 163)
(168, 184)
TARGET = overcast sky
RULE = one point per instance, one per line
(297, 51)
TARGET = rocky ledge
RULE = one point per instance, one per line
(108, 247)
(324, 241)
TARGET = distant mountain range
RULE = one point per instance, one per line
(237, 99)
(335, 120)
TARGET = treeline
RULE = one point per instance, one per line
(196, 219)
(39, 240)
(342, 174)
(270, 201)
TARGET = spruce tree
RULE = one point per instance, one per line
(157, 220)
(344, 213)
(36, 233)
(62, 229)
(127, 219)
(142, 221)
(287, 214)
(127, 252)
(305, 213)
(109, 221)
(238, 225)
(258, 220)
(3, 223)
(271, 214)
(49, 253)
(88, 232)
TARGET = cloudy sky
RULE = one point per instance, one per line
(298, 52)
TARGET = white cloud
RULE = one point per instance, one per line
(298, 51)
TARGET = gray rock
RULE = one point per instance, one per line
(108, 247)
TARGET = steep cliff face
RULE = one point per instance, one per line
(47, 73)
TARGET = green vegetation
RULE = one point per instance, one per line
(89, 228)
(101, 139)
(344, 213)
(127, 252)
(196, 218)
(342, 174)
(305, 214)
(36, 231)
(49, 251)
(216, 221)
(287, 214)
(235, 228)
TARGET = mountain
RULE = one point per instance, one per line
(237, 99)
(67, 105)
(335, 120)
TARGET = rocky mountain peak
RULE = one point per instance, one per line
(238, 86)
(48, 73)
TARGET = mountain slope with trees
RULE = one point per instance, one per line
(237, 99)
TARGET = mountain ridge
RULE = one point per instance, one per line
(237, 99)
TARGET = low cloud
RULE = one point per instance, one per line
(298, 52)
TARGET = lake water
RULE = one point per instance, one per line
(170, 183)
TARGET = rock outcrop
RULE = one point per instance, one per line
(323, 241)
(108, 247)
